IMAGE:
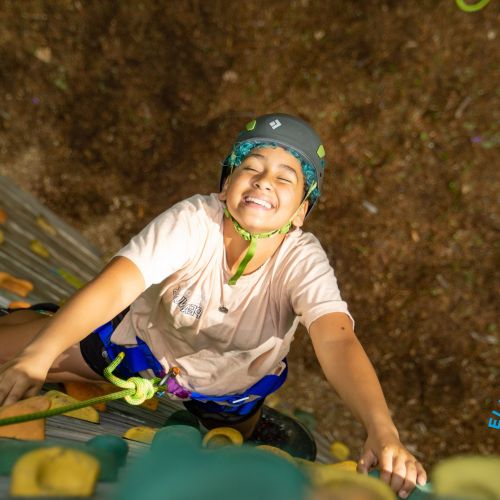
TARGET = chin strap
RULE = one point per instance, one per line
(253, 237)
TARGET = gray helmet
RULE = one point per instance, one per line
(288, 131)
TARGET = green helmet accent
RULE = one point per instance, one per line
(288, 131)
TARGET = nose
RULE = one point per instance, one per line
(263, 181)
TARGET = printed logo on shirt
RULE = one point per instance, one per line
(194, 310)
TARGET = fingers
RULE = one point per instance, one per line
(421, 474)
(402, 472)
(14, 386)
(410, 480)
(367, 461)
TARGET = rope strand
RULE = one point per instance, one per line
(135, 391)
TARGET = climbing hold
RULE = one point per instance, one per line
(54, 472)
(222, 436)
(467, 477)
(182, 417)
(58, 399)
(15, 285)
(2, 237)
(114, 445)
(69, 278)
(277, 451)
(86, 390)
(110, 450)
(339, 450)
(3, 216)
(39, 249)
(176, 438)
(34, 430)
(45, 225)
(141, 433)
(347, 484)
(19, 304)
(150, 404)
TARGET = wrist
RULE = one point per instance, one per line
(381, 425)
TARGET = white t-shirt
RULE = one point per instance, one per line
(182, 258)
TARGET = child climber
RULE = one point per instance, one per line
(216, 286)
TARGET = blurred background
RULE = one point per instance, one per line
(112, 111)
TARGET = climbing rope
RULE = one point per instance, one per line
(135, 391)
(468, 7)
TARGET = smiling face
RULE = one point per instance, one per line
(264, 192)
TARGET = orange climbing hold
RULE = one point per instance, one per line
(19, 304)
(15, 285)
(85, 390)
(3, 216)
(30, 431)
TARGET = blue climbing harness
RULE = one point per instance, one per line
(139, 358)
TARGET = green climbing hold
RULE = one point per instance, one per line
(182, 417)
(174, 438)
(321, 151)
(115, 445)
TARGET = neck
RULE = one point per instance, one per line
(236, 248)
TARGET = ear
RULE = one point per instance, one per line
(223, 193)
(298, 220)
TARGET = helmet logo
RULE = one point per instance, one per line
(275, 124)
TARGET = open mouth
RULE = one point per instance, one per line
(252, 200)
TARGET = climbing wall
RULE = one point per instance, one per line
(42, 259)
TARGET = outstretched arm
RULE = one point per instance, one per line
(118, 284)
(350, 372)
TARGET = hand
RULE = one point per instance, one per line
(21, 377)
(398, 467)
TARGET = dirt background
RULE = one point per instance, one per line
(112, 111)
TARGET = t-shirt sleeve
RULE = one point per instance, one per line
(312, 286)
(163, 246)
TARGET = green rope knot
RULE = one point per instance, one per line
(143, 388)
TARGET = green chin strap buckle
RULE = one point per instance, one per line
(246, 235)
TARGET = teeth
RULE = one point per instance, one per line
(262, 203)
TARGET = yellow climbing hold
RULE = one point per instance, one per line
(70, 278)
(321, 473)
(45, 225)
(339, 450)
(39, 249)
(54, 472)
(2, 237)
(467, 477)
(222, 436)
(142, 434)
(347, 484)
(58, 399)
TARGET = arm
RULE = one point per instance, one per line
(349, 371)
(118, 284)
